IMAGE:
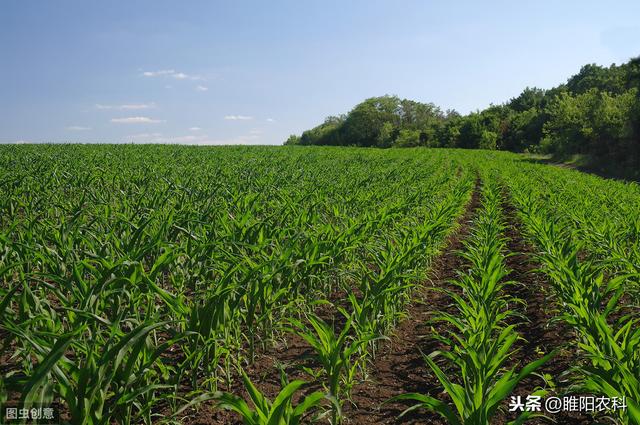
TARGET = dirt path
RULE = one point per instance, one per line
(399, 367)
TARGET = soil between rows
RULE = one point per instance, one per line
(540, 334)
(399, 366)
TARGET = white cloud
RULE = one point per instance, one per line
(270, 120)
(182, 76)
(237, 117)
(129, 106)
(202, 88)
(158, 73)
(78, 128)
(171, 73)
(138, 106)
(135, 120)
(195, 129)
(255, 132)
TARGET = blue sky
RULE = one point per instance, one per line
(208, 72)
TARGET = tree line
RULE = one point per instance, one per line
(596, 114)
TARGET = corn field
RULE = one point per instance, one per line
(258, 285)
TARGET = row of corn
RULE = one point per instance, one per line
(477, 372)
(597, 293)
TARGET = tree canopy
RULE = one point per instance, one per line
(596, 113)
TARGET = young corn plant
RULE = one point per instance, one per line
(116, 378)
(481, 343)
(612, 362)
(207, 340)
(335, 355)
(280, 411)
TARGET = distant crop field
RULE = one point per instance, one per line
(285, 285)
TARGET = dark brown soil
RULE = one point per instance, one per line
(290, 353)
(540, 334)
(399, 366)
(264, 373)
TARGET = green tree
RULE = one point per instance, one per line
(593, 76)
(470, 131)
(364, 123)
(596, 123)
(408, 138)
(293, 140)
(529, 98)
